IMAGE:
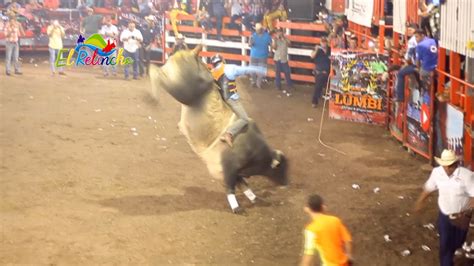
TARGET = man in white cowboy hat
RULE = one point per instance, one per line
(456, 201)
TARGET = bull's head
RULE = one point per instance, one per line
(184, 76)
(279, 168)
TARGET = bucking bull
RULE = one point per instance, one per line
(204, 118)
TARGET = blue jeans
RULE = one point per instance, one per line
(12, 50)
(53, 54)
(450, 239)
(400, 88)
(136, 61)
(280, 66)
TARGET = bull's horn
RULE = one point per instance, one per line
(197, 49)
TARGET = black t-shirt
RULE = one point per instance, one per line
(322, 60)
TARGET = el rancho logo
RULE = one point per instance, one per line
(91, 52)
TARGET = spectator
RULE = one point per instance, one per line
(91, 23)
(353, 42)
(322, 63)
(131, 38)
(180, 44)
(455, 201)
(256, 12)
(110, 32)
(13, 8)
(409, 67)
(55, 33)
(246, 17)
(278, 13)
(426, 10)
(13, 31)
(225, 75)
(150, 32)
(235, 13)
(178, 9)
(219, 12)
(280, 45)
(426, 56)
(259, 42)
(326, 235)
(203, 18)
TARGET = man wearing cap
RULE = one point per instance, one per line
(456, 201)
(131, 39)
(225, 75)
(150, 32)
(91, 23)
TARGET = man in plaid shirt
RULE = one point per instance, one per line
(13, 30)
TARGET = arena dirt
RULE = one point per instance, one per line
(93, 173)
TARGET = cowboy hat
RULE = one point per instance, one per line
(448, 157)
(150, 18)
(180, 36)
(258, 26)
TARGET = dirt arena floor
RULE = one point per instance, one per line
(78, 187)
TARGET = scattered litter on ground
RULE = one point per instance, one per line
(97, 110)
(401, 197)
(405, 253)
(387, 238)
(310, 119)
(429, 226)
(355, 186)
(376, 190)
(425, 248)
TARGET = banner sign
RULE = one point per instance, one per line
(419, 117)
(361, 12)
(358, 93)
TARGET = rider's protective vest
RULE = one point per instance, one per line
(227, 86)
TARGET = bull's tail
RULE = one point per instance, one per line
(154, 74)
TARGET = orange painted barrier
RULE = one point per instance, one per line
(239, 41)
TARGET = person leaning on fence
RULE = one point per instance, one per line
(274, 14)
(235, 14)
(109, 32)
(280, 45)
(179, 45)
(55, 33)
(178, 9)
(326, 235)
(219, 12)
(426, 56)
(91, 23)
(259, 42)
(13, 30)
(409, 68)
(150, 32)
(455, 185)
(131, 38)
(322, 67)
(225, 75)
(203, 18)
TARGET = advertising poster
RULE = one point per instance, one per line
(358, 93)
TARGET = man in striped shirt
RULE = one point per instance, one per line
(13, 30)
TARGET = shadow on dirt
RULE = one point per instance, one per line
(193, 198)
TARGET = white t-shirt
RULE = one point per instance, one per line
(107, 30)
(131, 40)
(454, 190)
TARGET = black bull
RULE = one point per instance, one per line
(189, 81)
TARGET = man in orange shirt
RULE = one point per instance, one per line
(326, 235)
